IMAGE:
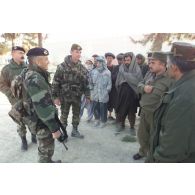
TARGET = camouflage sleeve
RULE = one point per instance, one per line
(38, 91)
(56, 84)
(4, 83)
(86, 86)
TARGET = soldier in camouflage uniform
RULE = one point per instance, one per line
(39, 105)
(8, 73)
(69, 83)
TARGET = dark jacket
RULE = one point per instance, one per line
(173, 136)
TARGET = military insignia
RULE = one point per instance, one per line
(45, 52)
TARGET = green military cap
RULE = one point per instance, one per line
(76, 47)
(185, 51)
(158, 55)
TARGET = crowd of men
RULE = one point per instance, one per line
(160, 91)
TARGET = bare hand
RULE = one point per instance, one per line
(56, 135)
(57, 102)
(148, 89)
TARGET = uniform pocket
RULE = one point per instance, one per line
(43, 133)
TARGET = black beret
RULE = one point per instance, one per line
(109, 54)
(38, 51)
(76, 47)
(185, 51)
(18, 48)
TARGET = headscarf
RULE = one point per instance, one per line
(131, 75)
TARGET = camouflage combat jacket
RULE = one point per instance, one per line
(70, 81)
(38, 101)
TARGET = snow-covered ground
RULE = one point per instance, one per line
(98, 146)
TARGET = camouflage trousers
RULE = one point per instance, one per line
(21, 129)
(45, 145)
(144, 130)
(65, 108)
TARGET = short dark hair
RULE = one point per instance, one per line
(184, 66)
(128, 54)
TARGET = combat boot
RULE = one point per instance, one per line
(76, 133)
(55, 161)
(33, 138)
(24, 145)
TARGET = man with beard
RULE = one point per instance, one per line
(8, 74)
(126, 84)
(155, 83)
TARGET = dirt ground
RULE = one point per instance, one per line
(98, 146)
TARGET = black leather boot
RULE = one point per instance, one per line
(33, 138)
(24, 145)
(76, 133)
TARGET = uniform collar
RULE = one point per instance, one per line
(164, 74)
(186, 76)
(69, 61)
(15, 65)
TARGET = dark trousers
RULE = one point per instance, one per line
(100, 111)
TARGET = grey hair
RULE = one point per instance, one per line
(32, 59)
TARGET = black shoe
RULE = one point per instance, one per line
(137, 156)
(110, 118)
(76, 133)
(56, 161)
(33, 138)
(24, 145)
(132, 132)
(119, 128)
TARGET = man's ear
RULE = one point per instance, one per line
(175, 68)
